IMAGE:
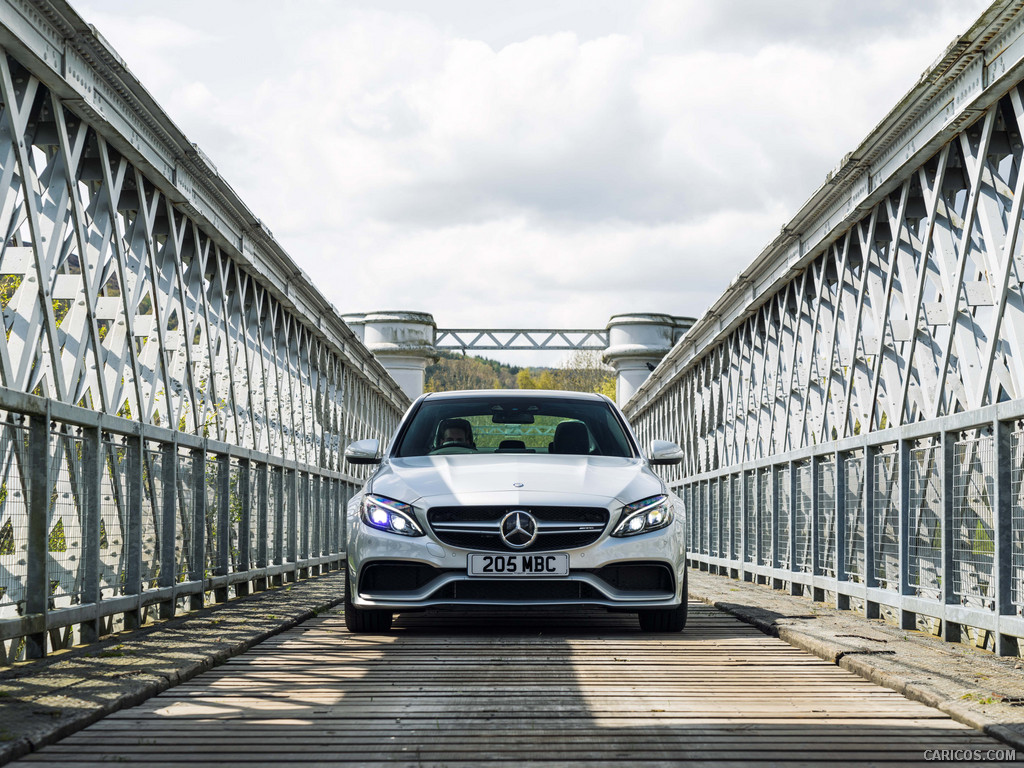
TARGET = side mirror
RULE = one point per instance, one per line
(363, 452)
(664, 452)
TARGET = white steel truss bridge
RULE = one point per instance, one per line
(852, 408)
(175, 394)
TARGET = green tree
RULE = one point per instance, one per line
(525, 380)
(582, 371)
(453, 371)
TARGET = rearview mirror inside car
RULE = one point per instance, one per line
(512, 418)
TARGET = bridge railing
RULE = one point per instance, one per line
(850, 408)
(174, 394)
(927, 522)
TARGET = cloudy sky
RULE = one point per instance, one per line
(527, 164)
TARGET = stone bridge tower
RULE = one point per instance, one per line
(632, 344)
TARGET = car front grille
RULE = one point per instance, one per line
(516, 590)
(479, 527)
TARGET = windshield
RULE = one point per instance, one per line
(475, 425)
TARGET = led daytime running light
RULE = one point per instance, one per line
(643, 516)
(389, 515)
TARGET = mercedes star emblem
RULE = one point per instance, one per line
(518, 529)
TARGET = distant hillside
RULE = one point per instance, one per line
(582, 372)
(451, 370)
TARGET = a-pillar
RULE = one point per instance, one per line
(636, 344)
(403, 342)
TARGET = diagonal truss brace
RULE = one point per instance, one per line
(472, 339)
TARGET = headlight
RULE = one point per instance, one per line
(389, 515)
(644, 516)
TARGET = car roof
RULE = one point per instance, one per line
(467, 393)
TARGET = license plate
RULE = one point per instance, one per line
(548, 564)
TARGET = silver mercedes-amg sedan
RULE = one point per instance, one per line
(514, 498)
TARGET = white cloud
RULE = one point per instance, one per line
(527, 165)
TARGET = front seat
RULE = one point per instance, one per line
(571, 437)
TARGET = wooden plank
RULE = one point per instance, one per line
(460, 689)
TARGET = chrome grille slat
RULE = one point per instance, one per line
(466, 527)
(479, 527)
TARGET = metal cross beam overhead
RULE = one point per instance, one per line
(472, 339)
(174, 394)
(852, 408)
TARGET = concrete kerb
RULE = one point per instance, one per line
(46, 700)
(912, 664)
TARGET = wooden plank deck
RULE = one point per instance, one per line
(539, 689)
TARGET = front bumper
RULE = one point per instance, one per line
(402, 573)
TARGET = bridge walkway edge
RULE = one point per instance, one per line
(44, 700)
(972, 686)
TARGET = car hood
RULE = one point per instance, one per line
(515, 478)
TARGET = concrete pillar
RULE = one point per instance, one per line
(636, 344)
(403, 342)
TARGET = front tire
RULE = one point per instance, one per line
(667, 619)
(364, 620)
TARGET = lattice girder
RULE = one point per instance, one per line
(114, 298)
(913, 312)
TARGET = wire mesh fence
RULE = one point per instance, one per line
(316, 533)
(924, 526)
(696, 520)
(750, 482)
(305, 513)
(705, 518)
(973, 525)
(184, 543)
(885, 513)
(140, 511)
(284, 508)
(152, 516)
(237, 516)
(735, 501)
(714, 518)
(783, 500)
(827, 516)
(114, 517)
(853, 512)
(213, 530)
(725, 517)
(263, 536)
(927, 529)
(764, 517)
(1017, 516)
(64, 525)
(13, 515)
(802, 511)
